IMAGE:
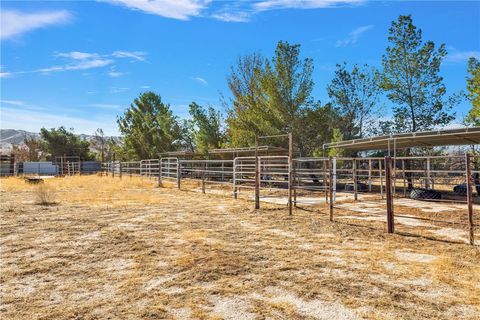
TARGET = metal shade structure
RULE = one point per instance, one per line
(449, 137)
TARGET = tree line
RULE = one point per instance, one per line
(271, 96)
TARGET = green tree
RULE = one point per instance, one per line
(337, 136)
(149, 128)
(59, 142)
(271, 97)
(355, 95)
(473, 94)
(207, 128)
(411, 79)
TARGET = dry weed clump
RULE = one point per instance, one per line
(45, 194)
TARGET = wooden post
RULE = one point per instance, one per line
(404, 180)
(388, 189)
(120, 169)
(330, 187)
(468, 174)
(427, 181)
(179, 173)
(257, 176)
(12, 165)
(354, 168)
(290, 172)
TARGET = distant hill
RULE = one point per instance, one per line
(9, 137)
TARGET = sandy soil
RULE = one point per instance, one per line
(127, 249)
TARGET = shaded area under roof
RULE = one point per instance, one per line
(449, 137)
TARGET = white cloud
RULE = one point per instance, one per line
(76, 55)
(136, 55)
(200, 80)
(145, 87)
(33, 121)
(239, 16)
(353, 36)
(14, 23)
(461, 56)
(5, 74)
(175, 9)
(301, 4)
(82, 65)
(118, 89)
(13, 102)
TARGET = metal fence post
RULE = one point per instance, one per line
(330, 187)
(355, 187)
(468, 177)
(388, 191)
(257, 176)
(160, 172)
(290, 172)
(179, 173)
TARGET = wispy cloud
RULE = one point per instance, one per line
(175, 9)
(13, 102)
(33, 121)
(457, 56)
(302, 4)
(135, 55)
(236, 16)
(353, 36)
(15, 23)
(200, 80)
(76, 60)
(144, 87)
(118, 89)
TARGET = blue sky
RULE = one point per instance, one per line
(81, 63)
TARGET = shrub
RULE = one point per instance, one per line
(45, 194)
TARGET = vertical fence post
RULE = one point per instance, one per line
(257, 176)
(120, 169)
(290, 172)
(355, 187)
(388, 191)
(330, 187)
(369, 175)
(179, 173)
(325, 182)
(160, 172)
(381, 176)
(113, 166)
(234, 170)
(468, 176)
(404, 181)
(203, 177)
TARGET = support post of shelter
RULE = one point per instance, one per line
(389, 195)
(468, 176)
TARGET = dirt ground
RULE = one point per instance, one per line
(110, 248)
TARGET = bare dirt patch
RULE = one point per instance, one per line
(126, 249)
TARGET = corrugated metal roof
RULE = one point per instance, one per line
(449, 137)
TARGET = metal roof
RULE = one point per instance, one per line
(448, 137)
(246, 150)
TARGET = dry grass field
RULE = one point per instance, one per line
(107, 248)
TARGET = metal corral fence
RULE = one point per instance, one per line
(371, 182)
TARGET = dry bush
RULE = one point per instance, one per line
(45, 194)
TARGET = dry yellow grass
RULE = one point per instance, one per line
(127, 249)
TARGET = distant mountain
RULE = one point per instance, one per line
(9, 137)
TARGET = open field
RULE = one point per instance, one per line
(113, 248)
